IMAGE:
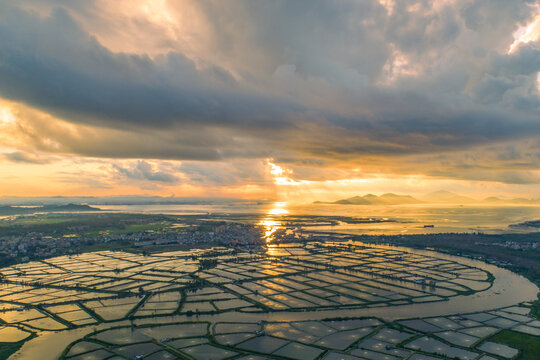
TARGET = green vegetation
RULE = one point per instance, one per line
(83, 224)
(132, 228)
(535, 308)
(7, 349)
(528, 345)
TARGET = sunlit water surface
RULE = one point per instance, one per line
(397, 219)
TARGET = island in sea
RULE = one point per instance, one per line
(437, 197)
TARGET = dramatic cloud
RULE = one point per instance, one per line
(22, 157)
(144, 171)
(332, 89)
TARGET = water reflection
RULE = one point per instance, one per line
(270, 227)
(270, 223)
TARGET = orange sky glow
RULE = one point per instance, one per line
(269, 101)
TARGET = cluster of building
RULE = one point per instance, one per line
(237, 235)
(37, 246)
(521, 245)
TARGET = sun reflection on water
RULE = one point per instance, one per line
(270, 223)
(270, 227)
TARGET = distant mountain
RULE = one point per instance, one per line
(520, 201)
(357, 200)
(399, 199)
(386, 199)
(447, 197)
(437, 197)
(116, 200)
(18, 210)
(532, 223)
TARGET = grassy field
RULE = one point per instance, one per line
(84, 224)
(528, 345)
(134, 228)
(41, 219)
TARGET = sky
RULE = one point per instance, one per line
(288, 100)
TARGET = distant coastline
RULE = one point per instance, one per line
(437, 197)
(18, 210)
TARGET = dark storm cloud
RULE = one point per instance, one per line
(53, 64)
(329, 81)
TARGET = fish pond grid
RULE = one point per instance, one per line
(297, 301)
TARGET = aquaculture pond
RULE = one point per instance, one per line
(333, 300)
